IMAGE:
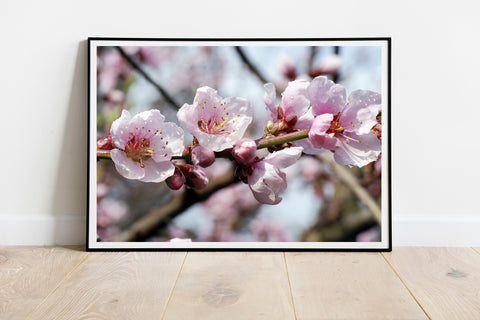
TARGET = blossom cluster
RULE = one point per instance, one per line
(311, 117)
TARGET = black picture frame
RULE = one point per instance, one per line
(135, 63)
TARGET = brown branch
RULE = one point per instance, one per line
(351, 182)
(147, 77)
(159, 216)
(313, 53)
(335, 77)
(249, 64)
(348, 225)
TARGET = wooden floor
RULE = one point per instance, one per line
(408, 283)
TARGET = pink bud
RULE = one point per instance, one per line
(202, 156)
(291, 119)
(176, 181)
(105, 143)
(288, 68)
(280, 113)
(245, 151)
(377, 129)
(195, 176)
(115, 96)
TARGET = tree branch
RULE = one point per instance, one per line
(181, 201)
(139, 69)
(335, 77)
(313, 52)
(249, 64)
(261, 144)
(278, 140)
(352, 182)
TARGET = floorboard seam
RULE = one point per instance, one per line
(406, 287)
(174, 286)
(67, 276)
(290, 286)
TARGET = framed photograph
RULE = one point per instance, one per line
(239, 144)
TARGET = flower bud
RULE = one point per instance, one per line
(244, 151)
(115, 96)
(377, 129)
(105, 143)
(288, 68)
(176, 181)
(291, 119)
(202, 156)
(195, 176)
(280, 113)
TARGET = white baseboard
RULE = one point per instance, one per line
(407, 230)
(436, 231)
(42, 230)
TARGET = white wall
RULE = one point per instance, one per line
(435, 114)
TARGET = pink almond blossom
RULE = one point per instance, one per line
(344, 127)
(144, 145)
(267, 179)
(217, 123)
(292, 113)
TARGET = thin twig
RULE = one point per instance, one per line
(278, 140)
(313, 53)
(137, 67)
(343, 229)
(249, 64)
(261, 143)
(352, 182)
(335, 77)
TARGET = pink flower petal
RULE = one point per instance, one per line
(285, 157)
(318, 133)
(305, 122)
(359, 151)
(173, 141)
(308, 147)
(260, 185)
(126, 166)
(266, 180)
(157, 171)
(294, 98)
(326, 96)
(361, 112)
(269, 98)
(119, 129)
(216, 123)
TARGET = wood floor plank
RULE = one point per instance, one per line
(445, 281)
(115, 285)
(353, 286)
(232, 285)
(29, 274)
